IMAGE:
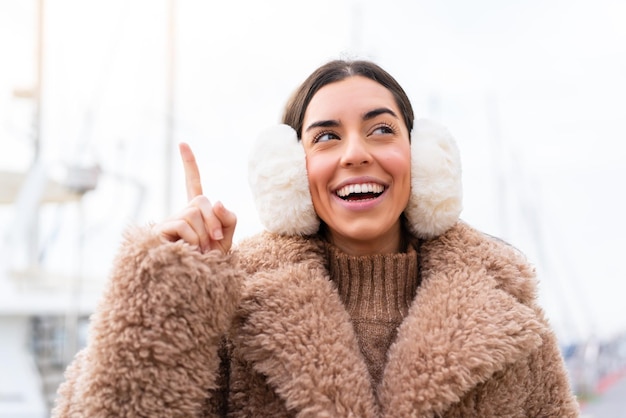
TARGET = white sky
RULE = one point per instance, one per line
(534, 92)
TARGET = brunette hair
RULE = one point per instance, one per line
(338, 70)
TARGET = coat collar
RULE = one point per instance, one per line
(463, 327)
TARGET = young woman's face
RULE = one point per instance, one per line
(359, 164)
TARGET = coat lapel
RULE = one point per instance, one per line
(461, 329)
(471, 317)
(293, 329)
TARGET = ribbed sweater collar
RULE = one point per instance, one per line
(377, 287)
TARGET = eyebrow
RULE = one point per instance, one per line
(323, 124)
(367, 116)
(377, 112)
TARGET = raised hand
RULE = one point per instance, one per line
(208, 226)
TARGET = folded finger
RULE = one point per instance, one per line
(212, 224)
(194, 217)
(176, 229)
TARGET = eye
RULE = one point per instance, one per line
(324, 137)
(383, 130)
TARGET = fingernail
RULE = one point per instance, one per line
(217, 234)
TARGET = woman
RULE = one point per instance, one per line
(366, 297)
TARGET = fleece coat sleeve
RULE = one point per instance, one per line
(550, 394)
(154, 339)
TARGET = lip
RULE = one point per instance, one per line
(359, 180)
(359, 205)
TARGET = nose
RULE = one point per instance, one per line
(355, 152)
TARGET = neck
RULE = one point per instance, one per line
(390, 242)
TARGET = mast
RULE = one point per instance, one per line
(170, 104)
(38, 81)
(32, 239)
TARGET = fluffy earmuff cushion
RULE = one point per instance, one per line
(280, 187)
(278, 179)
(436, 189)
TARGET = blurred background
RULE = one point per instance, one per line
(96, 95)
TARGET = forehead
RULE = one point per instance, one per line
(353, 95)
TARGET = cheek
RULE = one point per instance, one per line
(318, 172)
(399, 166)
(399, 163)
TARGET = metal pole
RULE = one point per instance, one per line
(170, 101)
(39, 80)
(33, 229)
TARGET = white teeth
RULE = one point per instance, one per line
(360, 188)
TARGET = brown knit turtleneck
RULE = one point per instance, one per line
(377, 292)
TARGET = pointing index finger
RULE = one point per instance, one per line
(192, 174)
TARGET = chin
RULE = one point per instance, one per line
(365, 230)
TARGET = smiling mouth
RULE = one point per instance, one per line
(361, 191)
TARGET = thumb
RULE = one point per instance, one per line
(228, 220)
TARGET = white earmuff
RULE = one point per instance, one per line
(436, 190)
(278, 179)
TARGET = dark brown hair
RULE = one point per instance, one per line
(338, 70)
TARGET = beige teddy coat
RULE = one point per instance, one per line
(261, 332)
